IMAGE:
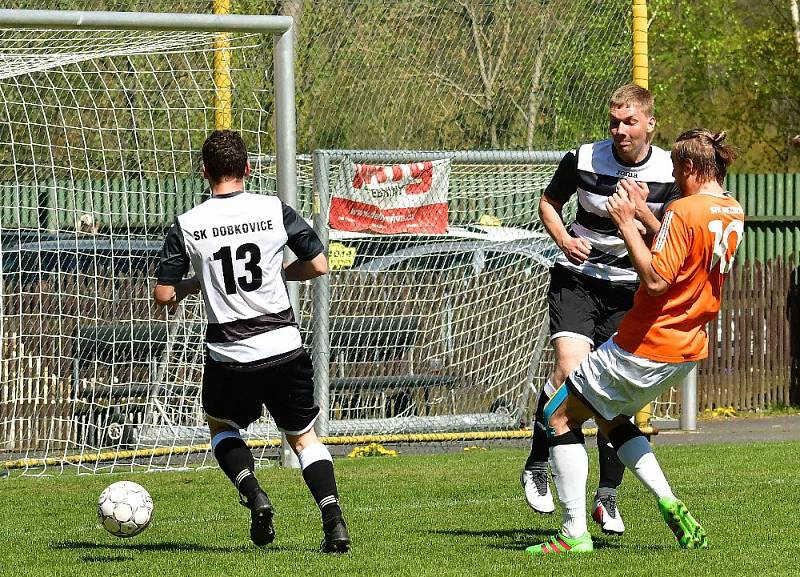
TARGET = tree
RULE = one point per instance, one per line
(728, 65)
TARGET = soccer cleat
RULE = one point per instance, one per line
(537, 491)
(559, 544)
(606, 514)
(261, 530)
(337, 539)
(689, 533)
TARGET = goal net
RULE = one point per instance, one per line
(437, 333)
(99, 151)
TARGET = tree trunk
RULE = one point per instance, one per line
(796, 23)
(534, 98)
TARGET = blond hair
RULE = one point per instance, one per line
(710, 157)
(633, 94)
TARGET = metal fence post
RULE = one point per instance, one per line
(689, 401)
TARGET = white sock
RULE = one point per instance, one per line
(313, 453)
(570, 467)
(637, 456)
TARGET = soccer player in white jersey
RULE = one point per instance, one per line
(659, 341)
(234, 242)
(593, 282)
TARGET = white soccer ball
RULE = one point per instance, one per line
(124, 509)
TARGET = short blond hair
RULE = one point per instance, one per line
(633, 94)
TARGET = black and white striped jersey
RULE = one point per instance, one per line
(234, 243)
(593, 171)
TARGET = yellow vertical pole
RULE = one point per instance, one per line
(640, 66)
(641, 77)
(222, 72)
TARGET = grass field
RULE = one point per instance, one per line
(450, 514)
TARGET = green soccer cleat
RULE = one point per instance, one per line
(689, 533)
(560, 543)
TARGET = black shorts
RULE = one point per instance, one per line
(286, 390)
(584, 306)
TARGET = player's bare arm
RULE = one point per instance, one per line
(300, 270)
(171, 295)
(622, 210)
(575, 249)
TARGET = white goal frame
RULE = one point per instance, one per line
(281, 27)
(323, 161)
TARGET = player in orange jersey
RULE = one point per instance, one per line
(659, 340)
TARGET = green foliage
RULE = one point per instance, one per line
(728, 65)
(428, 74)
(439, 515)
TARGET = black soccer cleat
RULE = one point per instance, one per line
(261, 530)
(337, 539)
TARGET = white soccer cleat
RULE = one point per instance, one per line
(606, 514)
(537, 491)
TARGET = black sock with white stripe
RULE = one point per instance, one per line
(537, 459)
(317, 465)
(236, 461)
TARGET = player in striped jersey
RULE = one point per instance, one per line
(234, 242)
(659, 341)
(593, 282)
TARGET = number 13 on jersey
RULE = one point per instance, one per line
(251, 255)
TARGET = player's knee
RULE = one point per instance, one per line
(571, 437)
(312, 453)
(560, 374)
(216, 427)
(303, 440)
(622, 433)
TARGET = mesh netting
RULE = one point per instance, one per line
(100, 138)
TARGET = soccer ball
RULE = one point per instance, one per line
(124, 509)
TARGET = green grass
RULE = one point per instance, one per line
(451, 514)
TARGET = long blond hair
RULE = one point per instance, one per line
(710, 157)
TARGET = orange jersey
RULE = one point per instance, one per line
(693, 251)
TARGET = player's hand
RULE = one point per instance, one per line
(621, 208)
(576, 249)
(637, 191)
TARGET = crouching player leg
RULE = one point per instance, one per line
(608, 385)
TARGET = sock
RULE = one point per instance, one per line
(236, 461)
(611, 468)
(570, 466)
(537, 459)
(639, 458)
(317, 465)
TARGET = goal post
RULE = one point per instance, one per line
(460, 353)
(284, 57)
(395, 349)
(104, 117)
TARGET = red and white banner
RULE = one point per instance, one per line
(401, 198)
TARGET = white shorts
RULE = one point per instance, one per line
(613, 382)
